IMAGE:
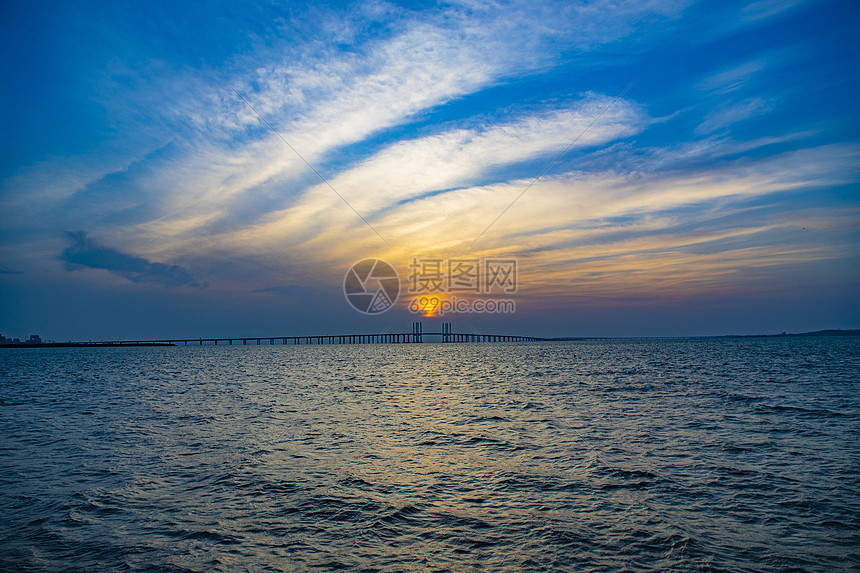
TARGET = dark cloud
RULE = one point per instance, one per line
(86, 253)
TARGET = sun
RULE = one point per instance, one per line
(429, 305)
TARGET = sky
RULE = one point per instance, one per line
(655, 168)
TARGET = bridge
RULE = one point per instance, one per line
(445, 335)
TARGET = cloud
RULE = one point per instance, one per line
(708, 227)
(416, 169)
(767, 8)
(726, 115)
(86, 253)
(731, 79)
(426, 59)
(457, 157)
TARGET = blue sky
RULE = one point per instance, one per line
(140, 196)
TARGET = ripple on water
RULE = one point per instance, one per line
(673, 455)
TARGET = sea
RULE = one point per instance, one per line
(702, 454)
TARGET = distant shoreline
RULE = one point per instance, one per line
(829, 332)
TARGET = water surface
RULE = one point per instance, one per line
(639, 455)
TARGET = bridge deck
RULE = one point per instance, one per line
(377, 338)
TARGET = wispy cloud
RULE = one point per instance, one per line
(731, 79)
(410, 169)
(767, 8)
(726, 115)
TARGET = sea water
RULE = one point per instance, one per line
(734, 454)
